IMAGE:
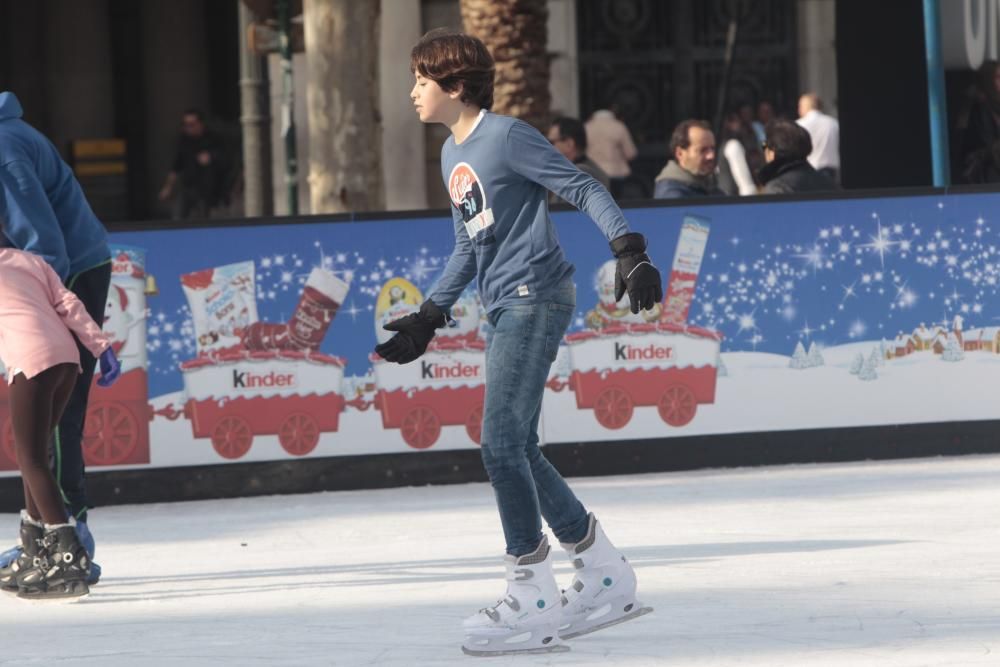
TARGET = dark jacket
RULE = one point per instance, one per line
(980, 147)
(676, 183)
(42, 207)
(783, 176)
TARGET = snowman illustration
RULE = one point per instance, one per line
(118, 320)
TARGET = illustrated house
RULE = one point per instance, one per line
(939, 342)
(902, 345)
(925, 338)
(986, 339)
(973, 341)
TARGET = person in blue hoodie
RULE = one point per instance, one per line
(43, 211)
(498, 171)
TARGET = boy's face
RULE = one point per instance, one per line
(432, 104)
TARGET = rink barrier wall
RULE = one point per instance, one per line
(572, 457)
(590, 459)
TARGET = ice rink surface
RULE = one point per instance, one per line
(863, 564)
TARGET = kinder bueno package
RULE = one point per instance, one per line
(223, 304)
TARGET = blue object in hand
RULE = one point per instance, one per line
(110, 368)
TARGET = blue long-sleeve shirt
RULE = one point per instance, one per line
(42, 208)
(498, 180)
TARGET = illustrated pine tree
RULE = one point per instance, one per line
(952, 350)
(868, 372)
(815, 357)
(857, 363)
(799, 359)
(876, 358)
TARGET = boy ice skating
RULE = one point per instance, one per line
(497, 171)
(36, 316)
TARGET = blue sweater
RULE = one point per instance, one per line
(498, 180)
(42, 208)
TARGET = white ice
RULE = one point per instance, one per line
(865, 564)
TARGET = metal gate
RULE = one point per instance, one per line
(658, 62)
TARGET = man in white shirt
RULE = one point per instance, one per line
(824, 131)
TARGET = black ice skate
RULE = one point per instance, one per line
(61, 567)
(31, 534)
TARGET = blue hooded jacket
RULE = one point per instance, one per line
(42, 208)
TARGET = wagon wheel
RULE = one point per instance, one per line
(7, 441)
(110, 434)
(613, 408)
(299, 434)
(421, 427)
(232, 437)
(677, 405)
(474, 425)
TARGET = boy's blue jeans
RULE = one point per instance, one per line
(521, 344)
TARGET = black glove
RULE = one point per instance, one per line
(635, 273)
(414, 333)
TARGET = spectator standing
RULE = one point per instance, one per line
(786, 149)
(611, 148)
(765, 114)
(824, 131)
(691, 170)
(735, 177)
(570, 138)
(200, 177)
(980, 147)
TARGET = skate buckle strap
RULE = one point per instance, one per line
(492, 612)
(515, 573)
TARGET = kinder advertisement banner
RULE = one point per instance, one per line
(799, 315)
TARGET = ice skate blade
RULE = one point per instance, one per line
(558, 648)
(65, 597)
(642, 611)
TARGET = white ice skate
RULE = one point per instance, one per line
(603, 590)
(528, 617)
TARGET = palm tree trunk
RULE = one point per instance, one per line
(345, 132)
(515, 32)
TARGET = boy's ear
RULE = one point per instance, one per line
(457, 93)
